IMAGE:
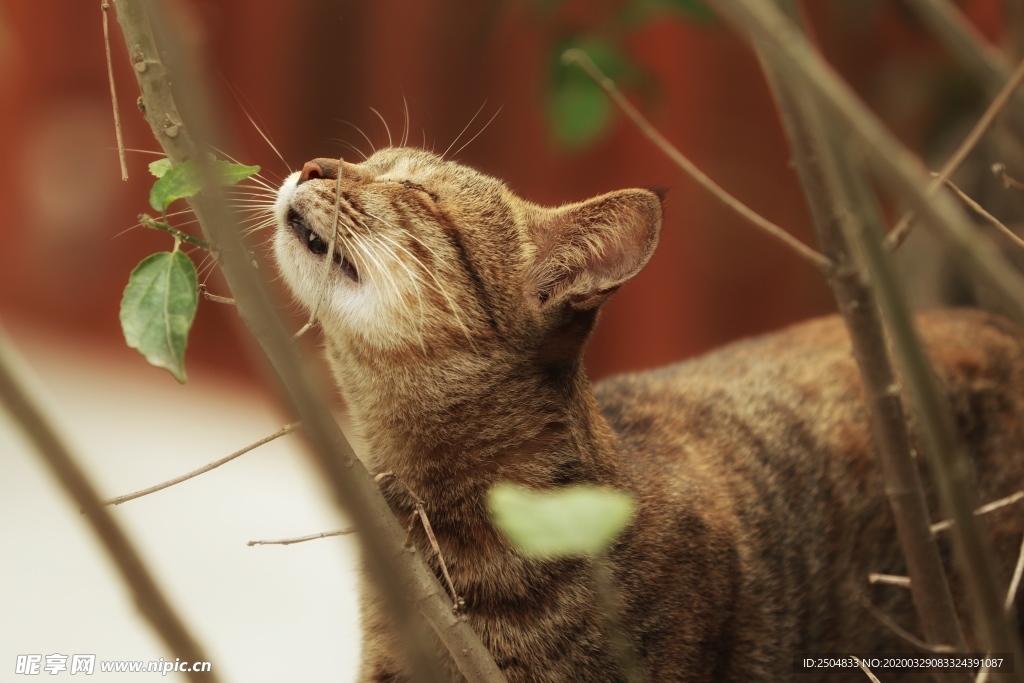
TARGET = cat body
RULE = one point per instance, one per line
(455, 315)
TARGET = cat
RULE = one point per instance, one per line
(454, 318)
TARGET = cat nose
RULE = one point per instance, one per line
(319, 168)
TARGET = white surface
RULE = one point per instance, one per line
(264, 613)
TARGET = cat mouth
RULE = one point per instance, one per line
(317, 245)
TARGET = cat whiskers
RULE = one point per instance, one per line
(456, 310)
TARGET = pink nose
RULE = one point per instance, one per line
(319, 168)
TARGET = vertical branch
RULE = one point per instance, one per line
(16, 398)
(826, 177)
(408, 587)
(105, 8)
(900, 171)
(981, 60)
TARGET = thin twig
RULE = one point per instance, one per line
(419, 511)
(1000, 170)
(902, 229)
(980, 210)
(149, 222)
(1018, 570)
(983, 510)
(213, 297)
(321, 290)
(26, 412)
(577, 56)
(866, 670)
(887, 621)
(105, 7)
(303, 539)
(287, 429)
(889, 580)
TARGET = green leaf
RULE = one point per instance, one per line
(158, 308)
(182, 181)
(159, 167)
(574, 520)
(579, 110)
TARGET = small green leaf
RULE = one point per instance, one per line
(182, 181)
(575, 520)
(234, 173)
(158, 308)
(159, 167)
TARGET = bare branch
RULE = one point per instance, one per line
(983, 510)
(839, 199)
(25, 409)
(303, 539)
(213, 297)
(419, 512)
(1008, 181)
(900, 171)
(980, 210)
(889, 580)
(866, 670)
(407, 586)
(287, 429)
(887, 621)
(577, 56)
(105, 8)
(902, 229)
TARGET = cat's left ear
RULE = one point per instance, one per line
(585, 251)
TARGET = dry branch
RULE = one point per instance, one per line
(303, 539)
(24, 408)
(404, 581)
(838, 197)
(287, 429)
(819, 261)
(901, 173)
(902, 229)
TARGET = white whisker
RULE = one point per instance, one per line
(386, 127)
(463, 131)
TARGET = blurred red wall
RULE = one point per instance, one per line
(304, 69)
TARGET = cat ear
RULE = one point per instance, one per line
(585, 251)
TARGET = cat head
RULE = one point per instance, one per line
(432, 257)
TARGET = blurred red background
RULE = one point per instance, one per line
(305, 69)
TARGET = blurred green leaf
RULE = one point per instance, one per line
(578, 108)
(575, 520)
(158, 308)
(182, 181)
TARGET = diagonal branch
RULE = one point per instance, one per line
(902, 229)
(577, 56)
(900, 170)
(410, 590)
(837, 197)
(287, 429)
(24, 408)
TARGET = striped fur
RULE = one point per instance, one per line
(761, 509)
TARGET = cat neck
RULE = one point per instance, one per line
(500, 422)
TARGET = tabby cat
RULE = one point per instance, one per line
(455, 316)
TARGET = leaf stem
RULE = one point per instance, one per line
(149, 222)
